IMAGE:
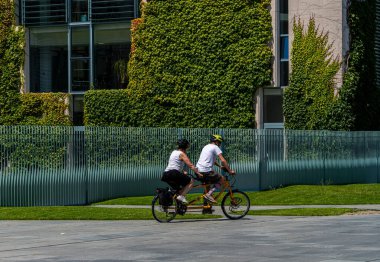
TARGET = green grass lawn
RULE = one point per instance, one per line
(319, 195)
(303, 212)
(292, 195)
(84, 213)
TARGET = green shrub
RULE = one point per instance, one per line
(310, 96)
(198, 63)
(106, 108)
(44, 109)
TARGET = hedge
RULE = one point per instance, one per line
(44, 109)
(106, 108)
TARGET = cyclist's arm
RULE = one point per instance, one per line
(225, 164)
(187, 161)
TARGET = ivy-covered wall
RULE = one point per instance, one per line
(17, 108)
(11, 61)
(359, 96)
(194, 64)
(309, 102)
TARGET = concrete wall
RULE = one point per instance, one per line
(330, 16)
(259, 96)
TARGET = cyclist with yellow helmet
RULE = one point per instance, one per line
(206, 162)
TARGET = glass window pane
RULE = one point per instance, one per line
(40, 12)
(78, 110)
(112, 10)
(284, 17)
(80, 74)
(284, 73)
(284, 6)
(284, 49)
(79, 10)
(112, 48)
(284, 27)
(273, 109)
(48, 60)
(80, 41)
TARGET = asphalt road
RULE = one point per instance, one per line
(306, 239)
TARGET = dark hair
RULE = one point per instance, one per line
(183, 144)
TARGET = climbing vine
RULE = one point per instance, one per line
(310, 96)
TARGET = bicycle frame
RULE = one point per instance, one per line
(226, 186)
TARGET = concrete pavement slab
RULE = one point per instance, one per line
(255, 238)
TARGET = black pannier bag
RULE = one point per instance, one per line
(165, 196)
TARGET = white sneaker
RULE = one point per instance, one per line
(209, 198)
(182, 199)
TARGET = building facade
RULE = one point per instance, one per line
(330, 16)
(76, 45)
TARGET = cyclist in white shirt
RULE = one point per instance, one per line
(206, 162)
(174, 174)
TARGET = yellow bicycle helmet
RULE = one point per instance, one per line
(216, 138)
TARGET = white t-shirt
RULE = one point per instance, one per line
(207, 158)
(174, 162)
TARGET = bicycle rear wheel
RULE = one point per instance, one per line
(163, 214)
(235, 205)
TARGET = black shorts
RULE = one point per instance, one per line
(175, 179)
(210, 177)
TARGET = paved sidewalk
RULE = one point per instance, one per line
(375, 209)
(252, 239)
(365, 207)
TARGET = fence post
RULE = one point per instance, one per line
(324, 158)
(262, 157)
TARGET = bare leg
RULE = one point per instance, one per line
(187, 188)
(216, 186)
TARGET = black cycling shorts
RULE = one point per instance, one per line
(210, 177)
(175, 179)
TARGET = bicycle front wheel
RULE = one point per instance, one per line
(235, 205)
(163, 214)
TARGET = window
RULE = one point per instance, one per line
(41, 12)
(112, 48)
(80, 59)
(284, 69)
(284, 43)
(273, 106)
(78, 110)
(48, 59)
(284, 47)
(79, 10)
(116, 10)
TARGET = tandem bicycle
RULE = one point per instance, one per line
(235, 204)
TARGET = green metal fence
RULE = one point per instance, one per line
(76, 166)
